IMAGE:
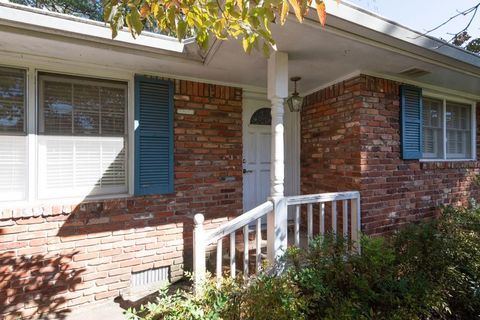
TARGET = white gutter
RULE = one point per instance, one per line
(43, 20)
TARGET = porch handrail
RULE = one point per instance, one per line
(202, 240)
(322, 197)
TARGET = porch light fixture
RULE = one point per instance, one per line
(295, 102)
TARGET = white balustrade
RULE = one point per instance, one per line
(201, 241)
(349, 218)
(277, 227)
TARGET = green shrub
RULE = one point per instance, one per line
(442, 257)
(429, 270)
(185, 305)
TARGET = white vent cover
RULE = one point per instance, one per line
(414, 72)
(150, 277)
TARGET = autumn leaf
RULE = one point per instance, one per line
(144, 10)
(284, 13)
(297, 9)
(245, 19)
(322, 12)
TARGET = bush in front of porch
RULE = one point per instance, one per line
(429, 270)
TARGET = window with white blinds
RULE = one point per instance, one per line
(13, 140)
(82, 141)
(432, 128)
(458, 119)
(447, 129)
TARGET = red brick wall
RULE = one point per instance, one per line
(66, 255)
(396, 191)
(351, 140)
(330, 142)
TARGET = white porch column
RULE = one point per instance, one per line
(277, 92)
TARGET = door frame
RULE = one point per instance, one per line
(253, 101)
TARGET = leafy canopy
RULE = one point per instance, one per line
(464, 39)
(91, 9)
(222, 19)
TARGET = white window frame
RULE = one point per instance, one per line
(473, 125)
(26, 126)
(32, 70)
(88, 79)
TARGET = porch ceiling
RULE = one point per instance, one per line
(319, 55)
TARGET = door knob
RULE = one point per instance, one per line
(247, 171)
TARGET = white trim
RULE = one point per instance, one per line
(108, 73)
(131, 135)
(436, 91)
(74, 27)
(31, 105)
(443, 96)
(348, 17)
(64, 201)
(346, 77)
(444, 128)
(368, 39)
(454, 94)
(256, 95)
(32, 70)
(212, 51)
(473, 129)
(447, 160)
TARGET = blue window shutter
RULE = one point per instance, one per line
(411, 117)
(153, 136)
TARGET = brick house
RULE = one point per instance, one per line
(108, 149)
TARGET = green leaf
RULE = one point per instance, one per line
(181, 30)
(246, 44)
(136, 21)
(266, 50)
(248, 19)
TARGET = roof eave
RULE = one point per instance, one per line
(35, 19)
(346, 17)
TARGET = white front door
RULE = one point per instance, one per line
(257, 139)
(256, 153)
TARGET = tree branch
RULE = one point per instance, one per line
(466, 12)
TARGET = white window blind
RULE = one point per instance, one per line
(432, 128)
(81, 146)
(458, 130)
(13, 167)
(13, 141)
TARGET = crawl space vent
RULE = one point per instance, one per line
(150, 277)
(414, 72)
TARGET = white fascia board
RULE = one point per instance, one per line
(343, 14)
(42, 20)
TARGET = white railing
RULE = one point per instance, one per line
(277, 229)
(350, 202)
(201, 241)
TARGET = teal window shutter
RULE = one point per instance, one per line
(153, 136)
(411, 122)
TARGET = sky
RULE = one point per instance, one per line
(423, 15)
